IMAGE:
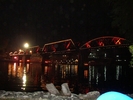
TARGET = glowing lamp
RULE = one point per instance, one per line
(112, 95)
(28, 60)
(15, 57)
(26, 45)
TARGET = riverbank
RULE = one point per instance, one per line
(41, 95)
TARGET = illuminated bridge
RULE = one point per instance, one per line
(100, 62)
(105, 60)
(106, 48)
(105, 41)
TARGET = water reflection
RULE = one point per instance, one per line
(58, 73)
(55, 72)
(24, 77)
(94, 74)
(34, 76)
(14, 70)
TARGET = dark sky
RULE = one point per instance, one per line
(42, 21)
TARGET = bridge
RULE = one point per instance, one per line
(105, 41)
(98, 61)
(68, 47)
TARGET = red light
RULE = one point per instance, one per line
(15, 57)
(53, 48)
(117, 41)
(88, 45)
(47, 61)
(28, 60)
(100, 43)
(68, 45)
(86, 64)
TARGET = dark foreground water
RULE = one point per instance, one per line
(17, 77)
(33, 77)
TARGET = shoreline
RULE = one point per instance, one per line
(42, 95)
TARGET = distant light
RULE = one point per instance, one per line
(47, 61)
(26, 45)
(105, 55)
(86, 64)
(28, 60)
(30, 51)
(15, 57)
(76, 60)
(117, 55)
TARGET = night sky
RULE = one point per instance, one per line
(41, 21)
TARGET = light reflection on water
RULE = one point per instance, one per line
(24, 77)
(34, 76)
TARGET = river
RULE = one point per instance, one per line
(16, 76)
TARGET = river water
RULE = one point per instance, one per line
(32, 76)
(16, 76)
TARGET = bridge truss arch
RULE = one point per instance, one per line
(105, 41)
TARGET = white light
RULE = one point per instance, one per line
(24, 77)
(24, 80)
(20, 50)
(30, 51)
(26, 45)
